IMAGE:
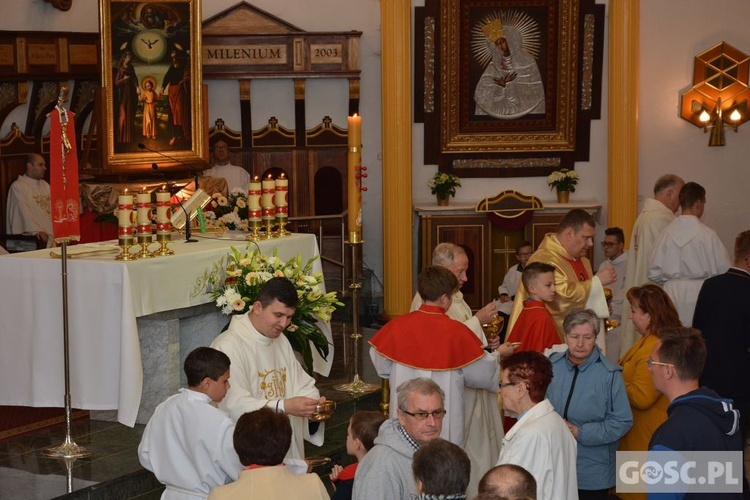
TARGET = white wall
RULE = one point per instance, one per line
(672, 34)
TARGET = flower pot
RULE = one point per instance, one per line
(563, 196)
(443, 201)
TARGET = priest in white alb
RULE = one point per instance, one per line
(687, 253)
(28, 208)
(264, 369)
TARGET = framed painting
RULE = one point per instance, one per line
(508, 87)
(153, 97)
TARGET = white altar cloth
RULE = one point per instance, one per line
(105, 297)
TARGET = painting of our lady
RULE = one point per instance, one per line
(511, 85)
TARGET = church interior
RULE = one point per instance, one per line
(295, 121)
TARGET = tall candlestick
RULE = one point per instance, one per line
(354, 161)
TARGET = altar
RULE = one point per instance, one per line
(130, 323)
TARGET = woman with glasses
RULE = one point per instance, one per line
(588, 392)
(539, 441)
(651, 309)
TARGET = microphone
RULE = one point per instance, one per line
(156, 167)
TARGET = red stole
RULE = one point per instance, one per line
(64, 205)
(579, 269)
(427, 339)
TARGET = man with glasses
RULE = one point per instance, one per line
(698, 418)
(614, 250)
(512, 278)
(385, 473)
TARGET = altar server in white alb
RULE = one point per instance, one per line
(28, 209)
(687, 253)
(512, 278)
(188, 442)
(264, 369)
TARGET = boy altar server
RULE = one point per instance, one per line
(188, 443)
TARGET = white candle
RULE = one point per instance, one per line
(143, 208)
(267, 192)
(282, 191)
(163, 209)
(354, 161)
(125, 215)
(253, 194)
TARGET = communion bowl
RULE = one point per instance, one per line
(324, 410)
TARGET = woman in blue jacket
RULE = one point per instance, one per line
(588, 392)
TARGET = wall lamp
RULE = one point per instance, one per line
(720, 92)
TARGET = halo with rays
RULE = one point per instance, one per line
(524, 23)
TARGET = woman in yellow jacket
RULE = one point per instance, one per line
(651, 310)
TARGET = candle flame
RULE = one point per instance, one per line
(282, 176)
(256, 178)
(270, 177)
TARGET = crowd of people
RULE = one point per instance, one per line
(649, 353)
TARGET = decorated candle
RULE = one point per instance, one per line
(253, 194)
(143, 208)
(282, 192)
(163, 212)
(267, 192)
(354, 162)
(125, 215)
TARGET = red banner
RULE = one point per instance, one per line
(64, 197)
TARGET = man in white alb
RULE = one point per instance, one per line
(512, 278)
(236, 177)
(264, 369)
(656, 214)
(614, 250)
(28, 209)
(687, 253)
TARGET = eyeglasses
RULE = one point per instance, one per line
(507, 384)
(422, 415)
(607, 244)
(650, 362)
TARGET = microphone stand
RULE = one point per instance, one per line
(188, 229)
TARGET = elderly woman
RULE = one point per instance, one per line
(540, 441)
(588, 392)
(651, 310)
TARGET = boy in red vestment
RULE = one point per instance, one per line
(535, 328)
(427, 343)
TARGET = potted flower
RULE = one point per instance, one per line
(246, 271)
(564, 181)
(443, 185)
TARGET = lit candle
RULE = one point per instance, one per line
(143, 209)
(354, 161)
(281, 198)
(253, 194)
(267, 192)
(125, 216)
(163, 209)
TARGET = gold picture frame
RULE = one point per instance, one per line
(507, 88)
(152, 104)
